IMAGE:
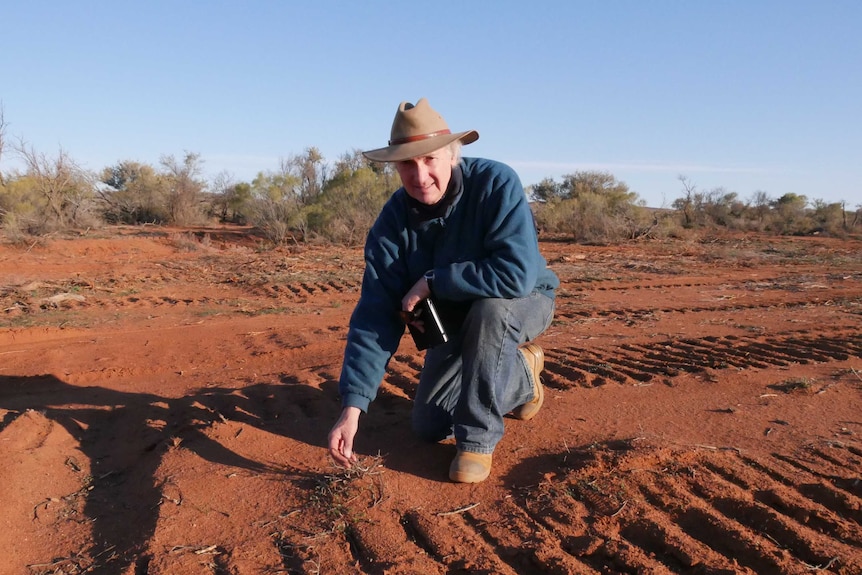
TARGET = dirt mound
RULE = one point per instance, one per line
(165, 397)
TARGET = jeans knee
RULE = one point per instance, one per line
(487, 315)
(487, 308)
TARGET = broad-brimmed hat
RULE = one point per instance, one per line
(416, 131)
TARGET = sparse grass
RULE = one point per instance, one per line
(208, 312)
(61, 319)
(249, 309)
(189, 242)
(794, 384)
(336, 493)
(72, 565)
(72, 509)
(271, 311)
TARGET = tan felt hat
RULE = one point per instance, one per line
(416, 131)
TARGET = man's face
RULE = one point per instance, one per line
(426, 178)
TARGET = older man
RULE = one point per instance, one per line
(460, 231)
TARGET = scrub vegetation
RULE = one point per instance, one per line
(308, 199)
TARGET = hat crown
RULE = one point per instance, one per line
(417, 130)
(413, 123)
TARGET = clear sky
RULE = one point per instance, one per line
(746, 95)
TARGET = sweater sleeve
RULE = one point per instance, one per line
(375, 328)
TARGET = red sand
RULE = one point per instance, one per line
(165, 398)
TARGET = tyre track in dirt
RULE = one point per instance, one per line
(641, 363)
(630, 507)
(633, 507)
(850, 303)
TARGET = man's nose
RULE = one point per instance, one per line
(421, 172)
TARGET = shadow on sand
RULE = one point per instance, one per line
(116, 432)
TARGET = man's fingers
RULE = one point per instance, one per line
(341, 437)
(409, 302)
(340, 459)
(342, 453)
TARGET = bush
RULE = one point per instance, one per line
(133, 193)
(591, 207)
(349, 205)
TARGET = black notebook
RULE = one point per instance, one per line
(433, 332)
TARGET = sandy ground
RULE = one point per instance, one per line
(165, 397)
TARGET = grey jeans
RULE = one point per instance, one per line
(469, 383)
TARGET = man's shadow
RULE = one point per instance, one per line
(125, 436)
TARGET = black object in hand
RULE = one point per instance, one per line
(425, 325)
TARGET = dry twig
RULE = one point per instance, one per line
(823, 567)
(620, 510)
(459, 510)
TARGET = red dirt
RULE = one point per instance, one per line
(165, 398)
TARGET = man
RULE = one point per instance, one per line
(459, 231)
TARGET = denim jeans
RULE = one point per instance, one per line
(470, 382)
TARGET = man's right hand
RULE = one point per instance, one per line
(341, 437)
(417, 293)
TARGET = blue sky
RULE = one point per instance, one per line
(745, 95)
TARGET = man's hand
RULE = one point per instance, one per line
(417, 293)
(341, 437)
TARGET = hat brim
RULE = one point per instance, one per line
(409, 150)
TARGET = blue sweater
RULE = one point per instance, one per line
(481, 244)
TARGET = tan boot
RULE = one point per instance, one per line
(535, 358)
(469, 467)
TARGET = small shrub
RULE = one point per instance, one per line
(794, 384)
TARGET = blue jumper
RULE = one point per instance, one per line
(482, 244)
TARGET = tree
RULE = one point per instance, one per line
(721, 207)
(829, 217)
(133, 193)
(790, 214)
(350, 203)
(717, 207)
(546, 191)
(63, 189)
(353, 161)
(685, 204)
(761, 202)
(592, 207)
(310, 171)
(184, 188)
(20, 208)
(2, 142)
(275, 205)
(582, 183)
(600, 183)
(231, 198)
